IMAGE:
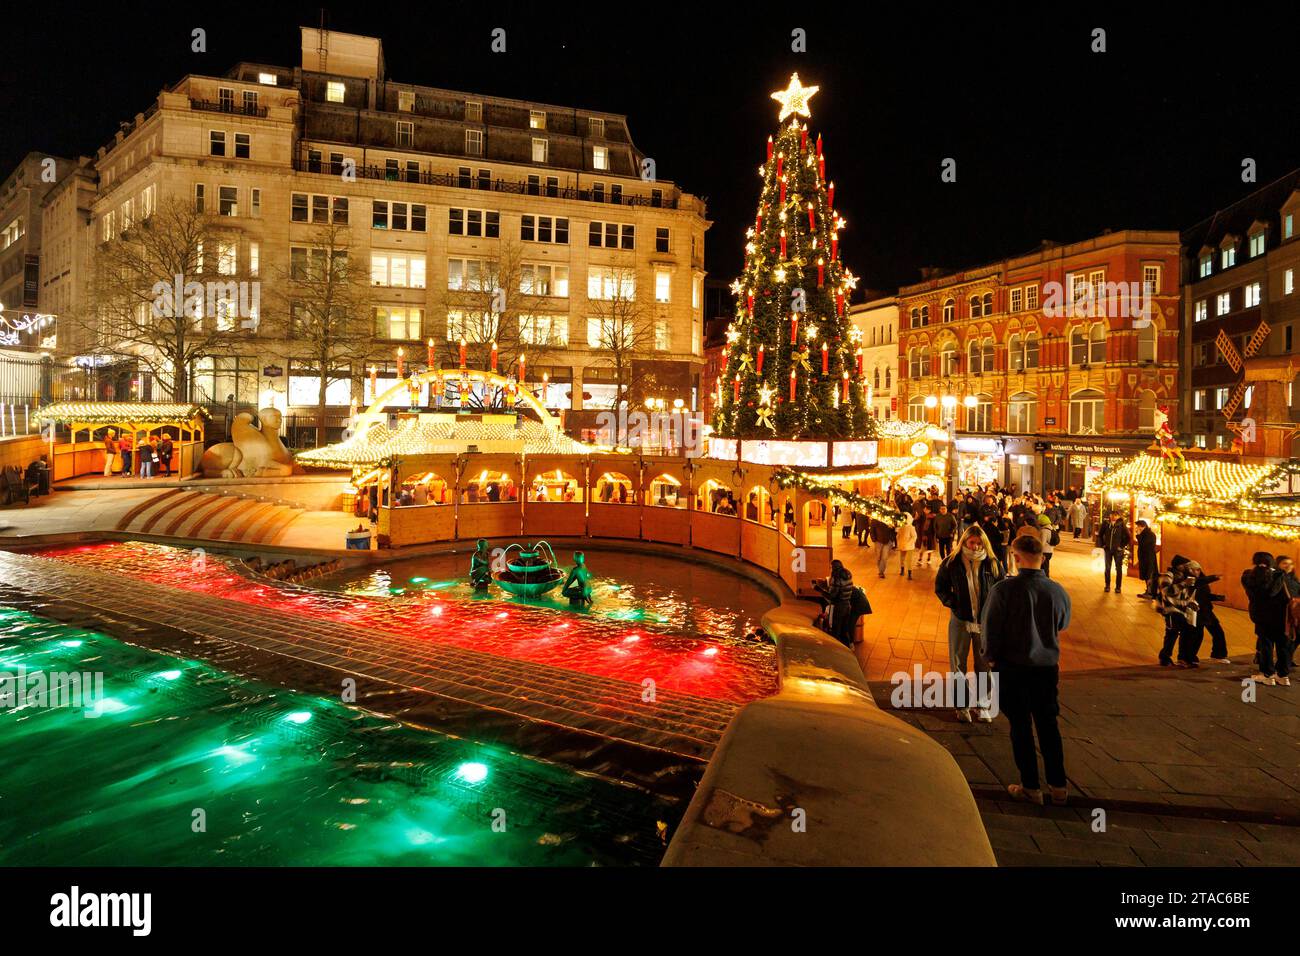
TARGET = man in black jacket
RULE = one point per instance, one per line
(1148, 565)
(1019, 626)
(1266, 591)
(1113, 539)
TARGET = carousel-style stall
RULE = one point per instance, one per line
(666, 515)
(555, 502)
(614, 496)
(1215, 509)
(87, 424)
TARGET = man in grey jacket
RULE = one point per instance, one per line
(1018, 626)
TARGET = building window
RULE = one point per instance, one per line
(1206, 266)
(227, 201)
(948, 363)
(1202, 311)
(1256, 245)
(1146, 411)
(471, 275)
(1150, 280)
(473, 142)
(1146, 343)
(544, 229)
(536, 119)
(1031, 297)
(399, 216)
(979, 417)
(916, 409)
(949, 310)
(976, 307)
(607, 333)
(550, 280)
(473, 222)
(1252, 296)
(663, 286)
(981, 356)
(255, 202)
(473, 111)
(663, 336)
(1228, 257)
(1088, 347)
(595, 127)
(398, 323)
(226, 99)
(216, 142)
(250, 101)
(334, 91)
(661, 240)
(227, 258)
(398, 271)
(611, 235)
(1017, 300)
(198, 198)
(544, 330)
(918, 362)
(1288, 282)
(405, 101)
(405, 134)
(254, 258)
(243, 145)
(599, 157)
(1087, 412)
(1223, 303)
(609, 283)
(267, 79)
(539, 149)
(1022, 413)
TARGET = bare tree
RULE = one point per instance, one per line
(505, 301)
(625, 328)
(167, 290)
(325, 309)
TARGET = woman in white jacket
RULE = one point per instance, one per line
(906, 545)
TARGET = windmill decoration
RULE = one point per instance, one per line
(1237, 360)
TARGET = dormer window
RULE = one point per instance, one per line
(267, 79)
(536, 119)
(334, 91)
(595, 127)
(405, 101)
(473, 112)
(1205, 266)
(1228, 253)
(1257, 241)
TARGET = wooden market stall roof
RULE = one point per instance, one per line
(1206, 481)
(380, 444)
(128, 416)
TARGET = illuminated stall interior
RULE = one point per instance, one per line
(614, 488)
(664, 491)
(555, 485)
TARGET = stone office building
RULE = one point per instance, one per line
(435, 188)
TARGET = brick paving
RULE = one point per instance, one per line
(681, 724)
(1187, 770)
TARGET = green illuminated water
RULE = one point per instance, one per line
(183, 764)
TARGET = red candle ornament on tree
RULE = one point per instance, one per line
(782, 243)
(846, 386)
(826, 358)
(735, 391)
(839, 303)
(749, 304)
(830, 195)
(821, 272)
(782, 190)
(835, 246)
(769, 149)
(859, 361)
(794, 330)
(803, 138)
(494, 356)
(462, 353)
(811, 223)
(760, 360)
(523, 367)
(793, 385)
(780, 165)
(374, 382)
(819, 144)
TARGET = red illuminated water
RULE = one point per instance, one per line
(704, 666)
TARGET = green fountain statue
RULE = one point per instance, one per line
(577, 586)
(480, 566)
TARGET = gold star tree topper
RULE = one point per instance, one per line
(794, 98)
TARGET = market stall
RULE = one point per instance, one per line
(82, 453)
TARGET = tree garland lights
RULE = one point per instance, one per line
(791, 357)
(826, 486)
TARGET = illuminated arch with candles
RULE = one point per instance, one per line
(375, 412)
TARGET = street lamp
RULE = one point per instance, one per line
(950, 401)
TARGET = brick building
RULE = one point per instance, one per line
(1052, 363)
(1239, 270)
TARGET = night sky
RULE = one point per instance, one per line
(1051, 140)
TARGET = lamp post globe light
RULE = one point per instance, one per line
(949, 402)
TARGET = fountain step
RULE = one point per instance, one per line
(678, 723)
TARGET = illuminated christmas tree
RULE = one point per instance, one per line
(792, 364)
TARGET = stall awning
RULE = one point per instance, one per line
(1201, 482)
(86, 414)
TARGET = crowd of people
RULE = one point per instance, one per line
(153, 457)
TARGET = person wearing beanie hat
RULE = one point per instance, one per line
(1046, 532)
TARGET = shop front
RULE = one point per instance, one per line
(1020, 459)
(980, 461)
(1078, 463)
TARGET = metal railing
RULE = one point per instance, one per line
(515, 187)
(237, 108)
